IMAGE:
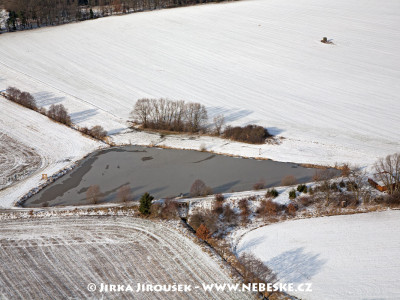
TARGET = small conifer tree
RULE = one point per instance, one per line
(145, 204)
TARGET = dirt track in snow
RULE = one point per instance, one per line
(16, 161)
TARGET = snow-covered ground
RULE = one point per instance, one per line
(56, 258)
(57, 145)
(256, 61)
(344, 257)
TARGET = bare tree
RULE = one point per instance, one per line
(169, 210)
(388, 171)
(288, 180)
(124, 193)
(219, 122)
(98, 132)
(93, 194)
(196, 116)
(59, 113)
(27, 100)
(13, 93)
(325, 178)
(357, 184)
(23, 98)
(255, 270)
(199, 188)
(141, 111)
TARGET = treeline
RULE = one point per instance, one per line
(26, 14)
(164, 114)
(181, 116)
(56, 112)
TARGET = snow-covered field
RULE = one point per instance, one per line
(57, 146)
(344, 257)
(17, 161)
(256, 61)
(56, 258)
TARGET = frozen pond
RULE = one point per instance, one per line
(162, 173)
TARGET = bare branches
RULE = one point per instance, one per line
(219, 122)
(59, 113)
(23, 98)
(170, 115)
(124, 194)
(388, 171)
(199, 188)
(357, 183)
(93, 194)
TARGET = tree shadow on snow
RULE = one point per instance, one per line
(83, 115)
(230, 115)
(46, 99)
(296, 265)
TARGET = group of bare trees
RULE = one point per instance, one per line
(26, 14)
(59, 113)
(23, 98)
(170, 115)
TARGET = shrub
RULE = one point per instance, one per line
(252, 134)
(292, 194)
(145, 204)
(351, 185)
(244, 209)
(268, 207)
(311, 190)
(155, 210)
(98, 132)
(291, 209)
(205, 217)
(272, 193)
(218, 207)
(288, 180)
(393, 199)
(199, 188)
(169, 210)
(219, 197)
(229, 216)
(302, 188)
(345, 170)
(306, 200)
(334, 187)
(202, 232)
(259, 185)
(196, 220)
